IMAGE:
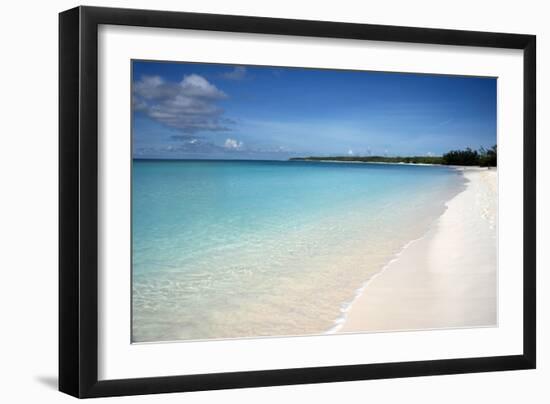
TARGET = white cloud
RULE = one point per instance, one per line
(189, 105)
(238, 73)
(197, 86)
(233, 144)
(350, 152)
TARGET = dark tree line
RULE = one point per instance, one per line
(488, 157)
(375, 159)
(468, 157)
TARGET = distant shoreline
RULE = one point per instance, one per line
(464, 158)
(368, 162)
(412, 160)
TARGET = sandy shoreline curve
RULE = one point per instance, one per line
(446, 279)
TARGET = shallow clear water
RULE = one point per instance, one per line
(227, 249)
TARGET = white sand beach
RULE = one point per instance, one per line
(446, 279)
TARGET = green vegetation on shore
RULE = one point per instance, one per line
(467, 157)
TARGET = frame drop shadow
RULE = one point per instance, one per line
(48, 381)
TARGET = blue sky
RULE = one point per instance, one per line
(194, 110)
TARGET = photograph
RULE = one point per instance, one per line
(272, 201)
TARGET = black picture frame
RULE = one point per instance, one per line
(78, 201)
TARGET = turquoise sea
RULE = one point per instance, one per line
(232, 249)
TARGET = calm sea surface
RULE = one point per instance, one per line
(229, 249)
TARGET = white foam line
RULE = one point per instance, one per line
(345, 307)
